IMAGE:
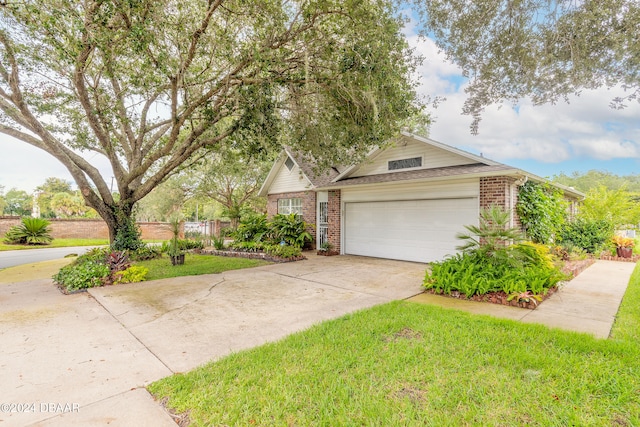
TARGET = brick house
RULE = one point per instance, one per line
(407, 201)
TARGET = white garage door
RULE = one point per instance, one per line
(412, 230)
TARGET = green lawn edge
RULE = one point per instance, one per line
(410, 364)
(195, 264)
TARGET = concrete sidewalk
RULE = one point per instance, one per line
(588, 303)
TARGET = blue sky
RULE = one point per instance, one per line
(545, 140)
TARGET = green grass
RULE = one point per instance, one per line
(196, 264)
(56, 243)
(627, 325)
(418, 365)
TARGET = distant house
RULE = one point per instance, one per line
(405, 202)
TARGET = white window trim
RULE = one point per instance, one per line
(289, 207)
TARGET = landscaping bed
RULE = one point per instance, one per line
(634, 258)
(250, 255)
(572, 268)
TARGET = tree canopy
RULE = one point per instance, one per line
(152, 84)
(585, 181)
(232, 180)
(17, 202)
(543, 49)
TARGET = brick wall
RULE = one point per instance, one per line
(334, 219)
(91, 228)
(308, 207)
(499, 190)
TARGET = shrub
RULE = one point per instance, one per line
(133, 274)
(252, 228)
(31, 231)
(146, 252)
(180, 245)
(186, 244)
(247, 246)
(97, 267)
(218, 242)
(283, 251)
(82, 275)
(472, 273)
(488, 264)
(290, 229)
(587, 234)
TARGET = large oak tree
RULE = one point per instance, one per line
(152, 84)
(542, 49)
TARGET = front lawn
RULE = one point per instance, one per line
(56, 243)
(161, 268)
(411, 364)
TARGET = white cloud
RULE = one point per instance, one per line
(25, 167)
(584, 128)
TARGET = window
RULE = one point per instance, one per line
(414, 162)
(289, 163)
(289, 206)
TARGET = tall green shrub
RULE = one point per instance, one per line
(290, 229)
(542, 210)
(588, 234)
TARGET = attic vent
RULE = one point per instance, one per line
(289, 163)
(414, 162)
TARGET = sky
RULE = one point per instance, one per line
(544, 140)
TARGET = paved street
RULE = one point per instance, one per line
(28, 256)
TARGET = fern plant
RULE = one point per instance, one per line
(31, 231)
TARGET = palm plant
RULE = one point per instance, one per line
(31, 231)
(492, 235)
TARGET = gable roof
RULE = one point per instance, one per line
(314, 179)
(475, 166)
(406, 136)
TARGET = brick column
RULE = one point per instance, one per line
(499, 190)
(334, 219)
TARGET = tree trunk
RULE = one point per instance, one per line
(124, 234)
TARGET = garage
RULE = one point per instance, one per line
(412, 230)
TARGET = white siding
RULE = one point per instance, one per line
(287, 181)
(432, 157)
(412, 191)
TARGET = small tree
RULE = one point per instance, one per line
(614, 206)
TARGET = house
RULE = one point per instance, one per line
(406, 202)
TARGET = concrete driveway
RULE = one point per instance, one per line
(84, 359)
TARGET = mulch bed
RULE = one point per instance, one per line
(497, 298)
